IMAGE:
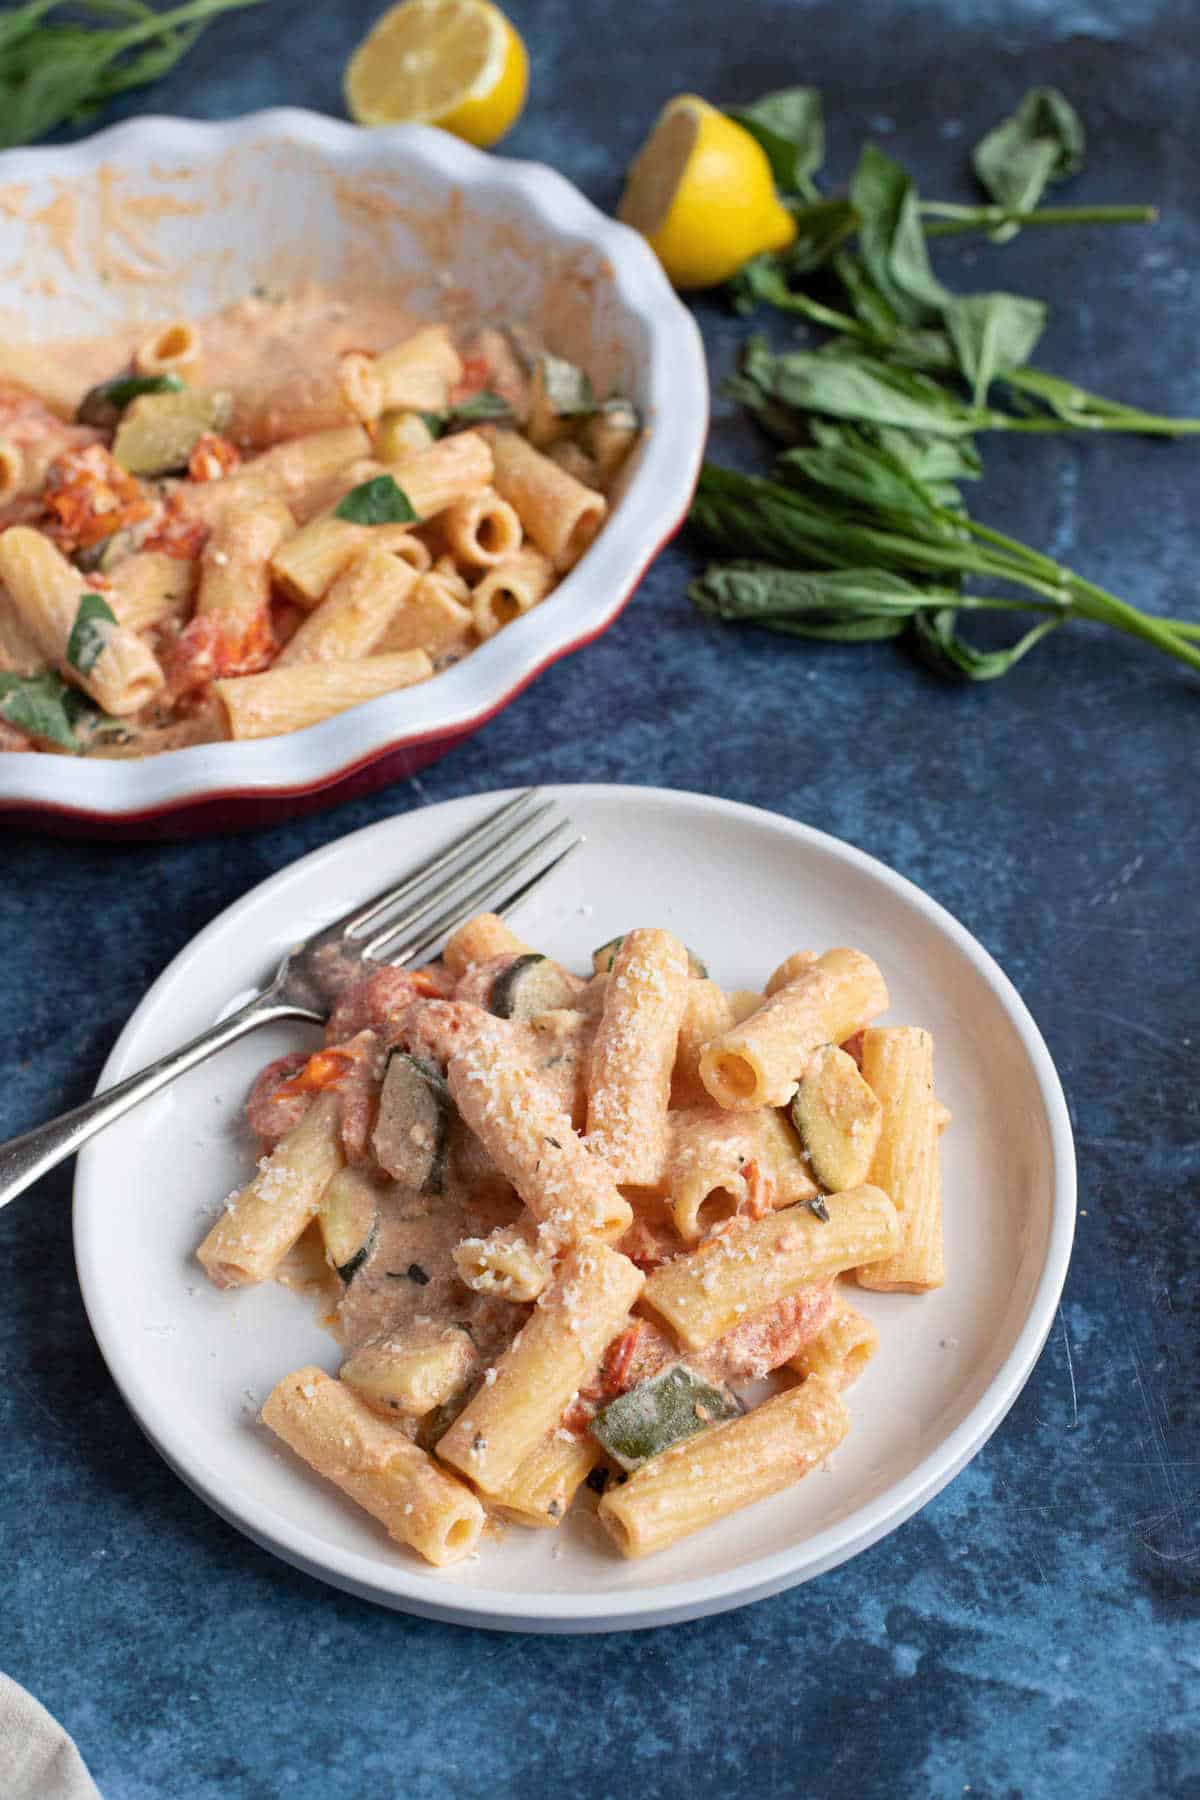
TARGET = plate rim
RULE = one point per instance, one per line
(411, 1589)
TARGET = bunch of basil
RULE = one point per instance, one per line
(863, 532)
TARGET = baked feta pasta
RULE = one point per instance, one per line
(237, 527)
(598, 1233)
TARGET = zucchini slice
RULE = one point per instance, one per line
(659, 1412)
(159, 431)
(604, 958)
(349, 1221)
(531, 984)
(414, 1379)
(839, 1119)
(412, 1131)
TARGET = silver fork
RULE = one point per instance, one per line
(398, 926)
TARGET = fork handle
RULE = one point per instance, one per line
(23, 1159)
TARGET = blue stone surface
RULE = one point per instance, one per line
(1035, 1631)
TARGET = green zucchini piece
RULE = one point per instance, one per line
(604, 958)
(839, 1118)
(658, 1413)
(412, 1131)
(103, 405)
(531, 984)
(158, 432)
(415, 1378)
(349, 1221)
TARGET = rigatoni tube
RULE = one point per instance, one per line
(354, 615)
(898, 1065)
(260, 1223)
(258, 706)
(761, 1061)
(509, 590)
(549, 1360)
(730, 1466)
(633, 1054)
(560, 514)
(703, 1294)
(519, 1118)
(376, 1465)
(120, 673)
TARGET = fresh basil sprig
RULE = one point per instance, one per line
(1043, 141)
(88, 635)
(379, 501)
(55, 73)
(829, 559)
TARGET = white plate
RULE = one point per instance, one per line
(743, 887)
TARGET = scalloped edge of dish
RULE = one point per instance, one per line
(465, 697)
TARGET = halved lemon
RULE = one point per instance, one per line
(459, 64)
(700, 192)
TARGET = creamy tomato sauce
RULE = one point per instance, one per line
(280, 338)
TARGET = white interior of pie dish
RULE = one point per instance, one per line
(165, 216)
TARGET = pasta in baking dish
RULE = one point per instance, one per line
(240, 527)
(594, 1233)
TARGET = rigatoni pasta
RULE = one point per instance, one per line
(277, 454)
(554, 1277)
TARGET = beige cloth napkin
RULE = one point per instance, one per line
(38, 1761)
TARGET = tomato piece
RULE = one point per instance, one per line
(91, 496)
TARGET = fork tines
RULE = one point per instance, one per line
(456, 881)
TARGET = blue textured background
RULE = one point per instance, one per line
(1036, 1630)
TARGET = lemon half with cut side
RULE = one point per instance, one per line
(700, 192)
(459, 64)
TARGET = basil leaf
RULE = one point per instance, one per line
(993, 334)
(862, 389)
(54, 73)
(949, 654)
(88, 636)
(378, 501)
(891, 240)
(865, 477)
(103, 405)
(42, 705)
(480, 408)
(934, 460)
(820, 229)
(790, 126)
(845, 605)
(1043, 141)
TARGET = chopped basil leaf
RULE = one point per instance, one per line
(104, 404)
(476, 411)
(87, 639)
(376, 502)
(42, 705)
(819, 1209)
(597, 1479)
(416, 1273)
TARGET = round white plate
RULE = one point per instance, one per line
(744, 888)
